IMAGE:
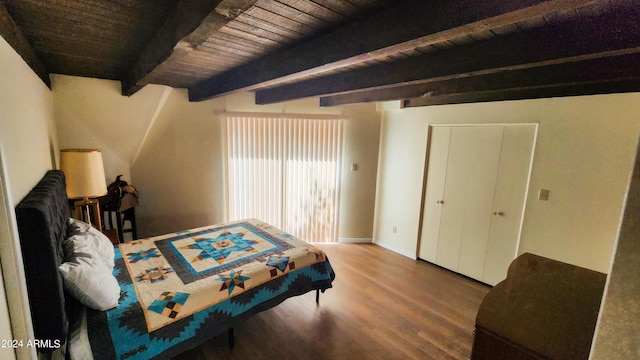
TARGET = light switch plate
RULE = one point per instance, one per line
(354, 167)
(543, 195)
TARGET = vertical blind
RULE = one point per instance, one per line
(285, 170)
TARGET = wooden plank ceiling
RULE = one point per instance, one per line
(342, 51)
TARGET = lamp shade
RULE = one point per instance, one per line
(84, 173)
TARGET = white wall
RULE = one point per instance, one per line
(181, 163)
(358, 188)
(583, 155)
(5, 236)
(403, 142)
(92, 113)
(171, 149)
(178, 172)
(28, 148)
(27, 126)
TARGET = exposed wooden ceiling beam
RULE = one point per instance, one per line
(403, 27)
(607, 69)
(589, 88)
(190, 25)
(14, 36)
(577, 40)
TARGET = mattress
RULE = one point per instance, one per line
(179, 290)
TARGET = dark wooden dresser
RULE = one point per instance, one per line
(544, 309)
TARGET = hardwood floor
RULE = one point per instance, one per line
(382, 306)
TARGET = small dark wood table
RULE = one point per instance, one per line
(112, 234)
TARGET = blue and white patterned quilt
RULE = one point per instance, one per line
(178, 290)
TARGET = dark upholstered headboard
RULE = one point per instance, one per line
(42, 225)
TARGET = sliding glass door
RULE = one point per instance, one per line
(285, 170)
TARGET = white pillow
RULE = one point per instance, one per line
(88, 267)
(79, 231)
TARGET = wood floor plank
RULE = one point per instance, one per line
(382, 306)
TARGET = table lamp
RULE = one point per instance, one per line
(84, 173)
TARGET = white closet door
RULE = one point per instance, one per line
(517, 150)
(472, 166)
(434, 193)
(481, 180)
(477, 179)
(455, 195)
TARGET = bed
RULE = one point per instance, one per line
(176, 291)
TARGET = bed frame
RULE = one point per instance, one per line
(42, 225)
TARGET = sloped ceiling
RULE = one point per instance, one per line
(343, 51)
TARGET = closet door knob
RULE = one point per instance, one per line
(440, 202)
(500, 213)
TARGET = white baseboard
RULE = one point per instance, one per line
(396, 250)
(355, 240)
